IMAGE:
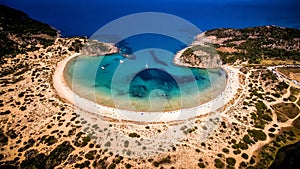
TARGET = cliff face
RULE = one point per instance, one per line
(19, 33)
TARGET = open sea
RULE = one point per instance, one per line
(83, 18)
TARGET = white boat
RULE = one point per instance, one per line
(125, 55)
(102, 67)
(147, 66)
(121, 61)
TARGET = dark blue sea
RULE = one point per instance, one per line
(83, 18)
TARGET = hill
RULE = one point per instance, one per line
(19, 33)
(256, 43)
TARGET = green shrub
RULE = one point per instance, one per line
(134, 135)
(245, 156)
(12, 133)
(155, 163)
(223, 125)
(201, 165)
(220, 155)
(272, 129)
(165, 160)
(257, 134)
(107, 144)
(188, 52)
(162, 161)
(219, 163)
(292, 98)
(281, 86)
(252, 160)
(247, 139)
(237, 152)
(90, 155)
(128, 166)
(267, 117)
(243, 164)
(260, 106)
(56, 157)
(3, 138)
(271, 135)
(112, 166)
(230, 161)
(126, 143)
(235, 146)
(243, 146)
(225, 150)
(277, 95)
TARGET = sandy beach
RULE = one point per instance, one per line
(183, 114)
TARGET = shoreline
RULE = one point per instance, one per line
(221, 100)
(177, 62)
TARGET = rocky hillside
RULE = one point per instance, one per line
(256, 43)
(250, 45)
(198, 55)
(19, 33)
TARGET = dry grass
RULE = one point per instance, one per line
(278, 62)
(291, 72)
(296, 123)
(285, 111)
(294, 91)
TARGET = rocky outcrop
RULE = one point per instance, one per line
(200, 54)
(96, 48)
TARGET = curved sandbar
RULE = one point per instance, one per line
(183, 114)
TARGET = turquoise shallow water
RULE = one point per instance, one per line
(144, 80)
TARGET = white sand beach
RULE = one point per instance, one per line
(183, 114)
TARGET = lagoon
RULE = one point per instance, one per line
(142, 77)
